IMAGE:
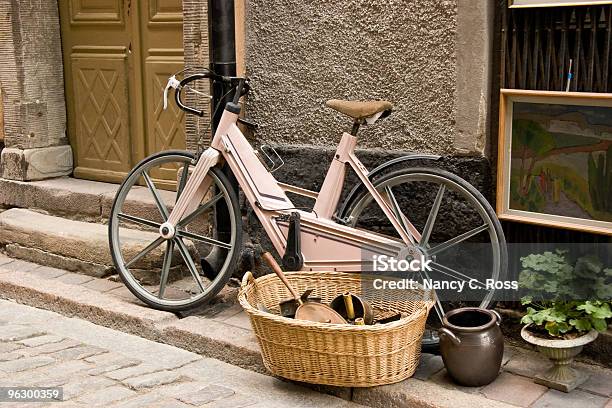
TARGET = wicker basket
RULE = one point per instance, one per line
(332, 354)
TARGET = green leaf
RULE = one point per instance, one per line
(581, 324)
(588, 265)
(556, 329)
(597, 310)
(553, 315)
(599, 325)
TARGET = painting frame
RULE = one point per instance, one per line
(508, 97)
(566, 3)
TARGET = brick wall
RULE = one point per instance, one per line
(1, 117)
(195, 38)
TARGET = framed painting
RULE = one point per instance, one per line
(555, 159)
(554, 3)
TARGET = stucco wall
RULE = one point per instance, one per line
(301, 53)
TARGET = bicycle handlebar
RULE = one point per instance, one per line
(178, 86)
(179, 89)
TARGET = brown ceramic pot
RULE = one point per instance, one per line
(472, 345)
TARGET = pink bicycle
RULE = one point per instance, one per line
(407, 213)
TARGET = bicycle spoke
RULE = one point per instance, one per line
(138, 220)
(163, 279)
(453, 273)
(200, 210)
(201, 238)
(406, 225)
(460, 238)
(431, 219)
(181, 186)
(190, 264)
(438, 305)
(158, 201)
(145, 251)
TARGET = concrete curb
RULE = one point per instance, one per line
(88, 304)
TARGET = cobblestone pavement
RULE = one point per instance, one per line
(98, 366)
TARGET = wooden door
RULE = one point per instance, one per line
(161, 26)
(118, 55)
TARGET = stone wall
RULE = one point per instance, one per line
(1, 118)
(10, 80)
(31, 76)
(430, 58)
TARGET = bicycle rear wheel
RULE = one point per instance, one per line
(454, 226)
(167, 274)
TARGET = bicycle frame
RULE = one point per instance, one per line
(325, 244)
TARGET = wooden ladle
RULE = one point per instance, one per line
(311, 311)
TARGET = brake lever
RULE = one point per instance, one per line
(172, 83)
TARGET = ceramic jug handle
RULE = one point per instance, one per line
(455, 339)
(499, 319)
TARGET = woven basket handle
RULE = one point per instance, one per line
(246, 280)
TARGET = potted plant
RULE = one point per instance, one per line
(559, 321)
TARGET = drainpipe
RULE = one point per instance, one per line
(221, 23)
(222, 51)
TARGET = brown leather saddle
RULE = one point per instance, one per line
(359, 110)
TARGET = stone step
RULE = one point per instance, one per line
(76, 199)
(68, 244)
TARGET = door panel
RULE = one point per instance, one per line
(165, 12)
(161, 42)
(165, 128)
(103, 11)
(118, 55)
(101, 117)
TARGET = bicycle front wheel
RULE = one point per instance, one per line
(167, 274)
(449, 222)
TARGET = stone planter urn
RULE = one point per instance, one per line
(560, 376)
